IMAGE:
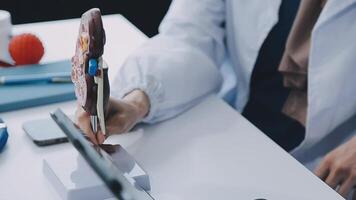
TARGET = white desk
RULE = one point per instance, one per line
(209, 152)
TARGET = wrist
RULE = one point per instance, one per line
(139, 100)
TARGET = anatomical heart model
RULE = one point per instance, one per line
(89, 70)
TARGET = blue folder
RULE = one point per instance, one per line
(13, 97)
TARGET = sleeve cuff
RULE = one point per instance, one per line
(149, 85)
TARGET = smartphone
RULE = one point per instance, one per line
(44, 132)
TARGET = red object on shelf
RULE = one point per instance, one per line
(26, 49)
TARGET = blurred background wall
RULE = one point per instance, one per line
(145, 14)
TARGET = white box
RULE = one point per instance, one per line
(73, 178)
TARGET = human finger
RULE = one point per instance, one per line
(100, 137)
(322, 170)
(83, 121)
(334, 179)
(346, 187)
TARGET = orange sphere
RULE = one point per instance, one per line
(26, 49)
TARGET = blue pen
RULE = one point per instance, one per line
(60, 77)
(3, 134)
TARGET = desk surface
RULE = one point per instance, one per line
(209, 152)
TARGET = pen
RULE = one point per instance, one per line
(60, 77)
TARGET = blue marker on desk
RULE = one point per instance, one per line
(3, 134)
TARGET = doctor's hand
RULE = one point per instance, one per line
(121, 116)
(339, 168)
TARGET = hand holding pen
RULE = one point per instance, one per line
(122, 115)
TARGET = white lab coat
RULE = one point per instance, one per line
(199, 39)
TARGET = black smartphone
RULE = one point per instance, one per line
(44, 132)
